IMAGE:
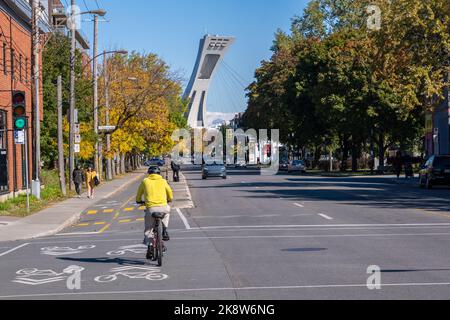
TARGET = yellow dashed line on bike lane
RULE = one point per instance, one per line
(116, 216)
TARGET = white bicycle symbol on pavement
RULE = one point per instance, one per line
(33, 276)
(148, 273)
(63, 251)
(137, 249)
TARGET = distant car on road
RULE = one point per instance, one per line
(297, 166)
(436, 171)
(284, 165)
(241, 164)
(214, 170)
(155, 162)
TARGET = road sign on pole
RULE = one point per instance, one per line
(106, 129)
(76, 128)
(19, 137)
(77, 138)
(76, 148)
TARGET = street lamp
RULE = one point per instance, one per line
(98, 153)
(100, 13)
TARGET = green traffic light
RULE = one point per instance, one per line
(19, 123)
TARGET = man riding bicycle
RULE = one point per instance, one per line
(157, 196)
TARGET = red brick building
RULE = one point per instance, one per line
(15, 74)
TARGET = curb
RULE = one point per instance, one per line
(76, 217)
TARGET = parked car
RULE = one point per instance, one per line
(297, 166)
(214, 170)
(436, 171)
(284, 165)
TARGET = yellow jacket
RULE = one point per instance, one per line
(90, 177)
(156, 191)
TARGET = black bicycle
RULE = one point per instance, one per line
(157, 248)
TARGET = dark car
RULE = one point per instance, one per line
(436, 171)
(214, 170)
(284, 165)
(155, 162)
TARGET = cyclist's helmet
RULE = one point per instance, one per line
(154, 170)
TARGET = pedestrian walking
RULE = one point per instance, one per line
(78, 179)
(91, 182)
(176, 171)
(398, 164)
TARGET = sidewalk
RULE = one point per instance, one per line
(54, 219)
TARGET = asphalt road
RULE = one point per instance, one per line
(250, 237)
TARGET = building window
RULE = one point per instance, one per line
(26, 70)
(20, 69)
(5, 68)
(13, 58)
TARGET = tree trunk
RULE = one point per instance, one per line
(122, 163)
(381, 148)
(355, 157)
(345, 152)
(119, 163)
(317, 155)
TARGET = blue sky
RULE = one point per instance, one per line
(172, 29)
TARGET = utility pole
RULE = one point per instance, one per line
(36, 184)
(95, 83)
(72, 95)
(62, 172)
(109, 174)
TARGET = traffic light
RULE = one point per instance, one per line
(19, 110)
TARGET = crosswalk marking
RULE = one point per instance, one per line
(99, 223)
(129, 209)
(91, 212)
(125, 221)
(108, 211)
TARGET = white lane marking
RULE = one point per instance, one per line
(325, 216)
(262, 237)
(331, 225)
(183, 218)
(317, 236)
(343, 286)
(13, 249)
(299, 205)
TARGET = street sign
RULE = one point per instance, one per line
(75, 116)
(76, 148)
(77, 138)
(76, 128)
(19, 137)
(106, 129)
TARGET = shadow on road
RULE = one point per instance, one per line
(375, 192)
(117, 261)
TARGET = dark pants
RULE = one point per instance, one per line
(176, 175)
(78, 188)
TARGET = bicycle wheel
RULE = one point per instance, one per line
(159, 244)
